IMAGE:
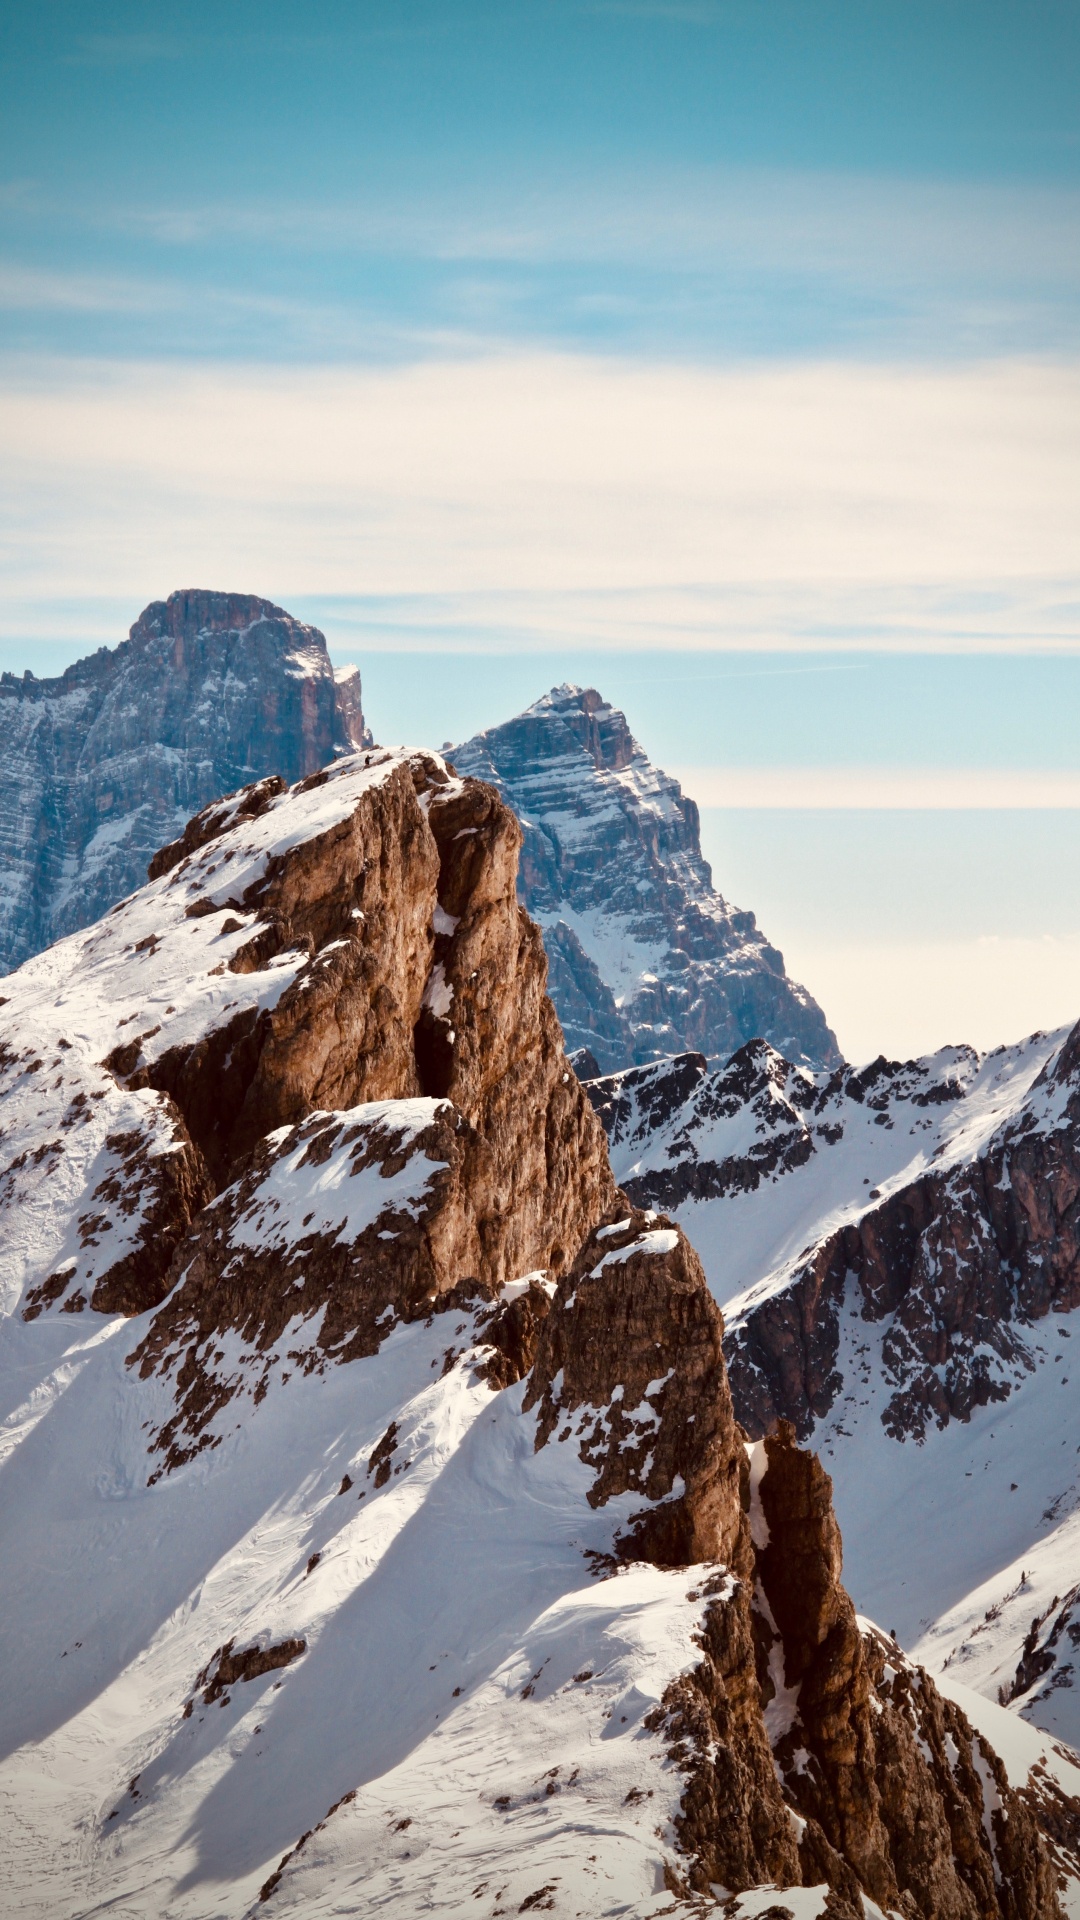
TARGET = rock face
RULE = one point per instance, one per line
(376, 1526)
(896, 1253)
(630, 1357)
(969, 1233)
(351, 941)
(902, 1799)
(209, 692)
(897, 1797)
(645, 956)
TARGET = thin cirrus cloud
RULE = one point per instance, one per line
(691, 261)
(914, 789)
(619, 502)
(125, 49)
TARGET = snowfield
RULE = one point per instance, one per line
(474, 1691)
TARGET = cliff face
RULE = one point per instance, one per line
(939, 1199)
(353, 940)
(646, 958)
(377, 1529)
(100, 766)
(896, 1251)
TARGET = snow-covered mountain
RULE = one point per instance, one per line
(897, 1253)
(377, 1536)
(102, 765)
(645, 956)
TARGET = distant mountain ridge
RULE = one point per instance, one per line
(646, 958)
(101, 765)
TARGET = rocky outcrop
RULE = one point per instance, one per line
(630, 1360)
(963, 1230)
(350, 941)
(793, 1709)
(100, 766)
(952, 1267)
(470, 1153)
(902, 1799)
(646, 957)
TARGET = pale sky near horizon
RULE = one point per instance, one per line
(722, 353)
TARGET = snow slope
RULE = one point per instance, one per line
(959, 1514)
(437, 1599)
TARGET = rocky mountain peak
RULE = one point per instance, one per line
(195, 610)
(583, 715)
(646, 958)
(103, 764)
(375, 1515)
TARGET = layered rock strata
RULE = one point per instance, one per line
(645, 956)
(101, 765)
(351, 940)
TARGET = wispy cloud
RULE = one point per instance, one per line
(934, 789)
(544, 499)
(125, 49)
(696, 216)
(694, 261)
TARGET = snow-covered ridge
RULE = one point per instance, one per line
(896, 1251)
(335, 1572)
(645, 955)
(94, 1158)
(769, 1166)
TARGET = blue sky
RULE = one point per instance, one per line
(723, 354)
(736, 176)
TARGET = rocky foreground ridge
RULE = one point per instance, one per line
(645, 957)
(897, 1253)
(378, 1534)
(101, 765)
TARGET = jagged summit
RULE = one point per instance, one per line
(646, 957)
(897, 1254)
(101, 765)
(376, 1534)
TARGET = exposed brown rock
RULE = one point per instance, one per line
(959, 1259)
(889, 1772)
(226, 1669)
(432, 989)
(372, 1015)
(251, 1269)
(732, 1822)
(513, 1333)
(630, 1360)
(342, 1033)
(548, 1177)
(896, 1796)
